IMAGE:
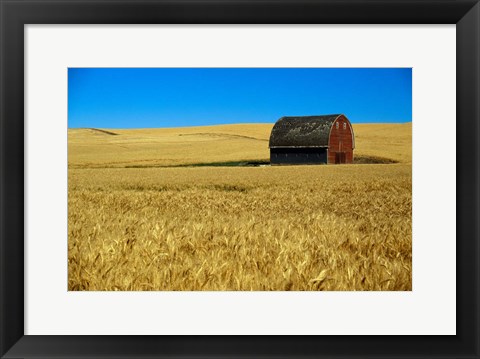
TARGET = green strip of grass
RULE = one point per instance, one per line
(209, 164)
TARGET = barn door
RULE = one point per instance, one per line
(340, 157)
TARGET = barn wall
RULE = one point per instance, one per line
(341, 141)
(284, 156)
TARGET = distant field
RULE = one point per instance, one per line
(189, 145)
(140, 220)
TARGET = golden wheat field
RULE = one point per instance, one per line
(153, 209)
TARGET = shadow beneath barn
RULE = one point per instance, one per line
(229, 164)
(358, 160)
(208, 164)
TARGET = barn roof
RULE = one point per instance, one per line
(302, 131)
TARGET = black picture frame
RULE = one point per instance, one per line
(16, 13)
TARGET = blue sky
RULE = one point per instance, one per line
(177, 97)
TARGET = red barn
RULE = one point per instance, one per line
(312, 140)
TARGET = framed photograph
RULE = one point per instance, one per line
(239, 179)
(205, 193)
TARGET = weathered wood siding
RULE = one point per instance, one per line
(341, 142)
(295, 156)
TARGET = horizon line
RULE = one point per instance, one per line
(225, 124)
